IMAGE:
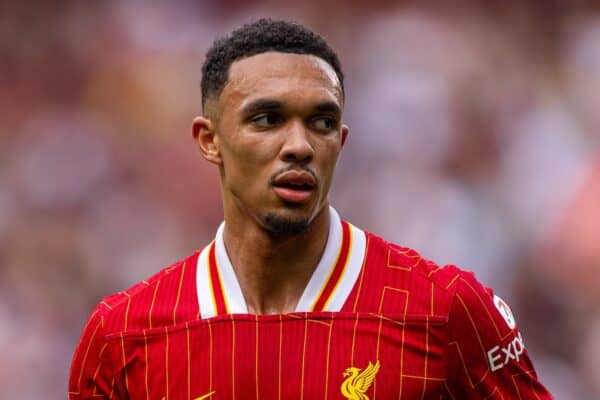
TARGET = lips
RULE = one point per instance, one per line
(294, 186)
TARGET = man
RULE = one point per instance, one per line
(289, 301)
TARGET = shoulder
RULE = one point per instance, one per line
(400, 268)
(478, 311)
(165, 298)
(394, 257)
(486, 351)
(412, 282)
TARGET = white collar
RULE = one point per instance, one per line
(219, 291)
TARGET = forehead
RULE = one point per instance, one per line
(281, 75)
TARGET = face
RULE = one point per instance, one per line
(276, 133)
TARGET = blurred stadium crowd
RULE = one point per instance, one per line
(475, 139)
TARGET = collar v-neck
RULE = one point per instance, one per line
(334, 277)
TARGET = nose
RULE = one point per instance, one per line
(296, 146)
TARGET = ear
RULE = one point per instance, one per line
(345, 131)
(203, 131)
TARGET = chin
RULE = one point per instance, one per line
(279, 224)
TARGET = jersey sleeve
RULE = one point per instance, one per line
(91, 374)
(488, 358)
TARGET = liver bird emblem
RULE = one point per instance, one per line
(357, 382)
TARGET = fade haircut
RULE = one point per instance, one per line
(259, 37)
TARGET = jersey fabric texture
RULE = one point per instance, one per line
(376, 321)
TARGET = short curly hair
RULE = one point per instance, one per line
(259, 37)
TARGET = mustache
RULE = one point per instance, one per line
(293, 167)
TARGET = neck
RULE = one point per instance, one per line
(273, 271)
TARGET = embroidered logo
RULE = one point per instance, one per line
(357, 382)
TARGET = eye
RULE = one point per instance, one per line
(267, 120)
(324, 123)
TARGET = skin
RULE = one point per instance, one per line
(277, 112)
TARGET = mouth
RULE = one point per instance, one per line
(294, 186)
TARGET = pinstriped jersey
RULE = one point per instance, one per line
(376, 321)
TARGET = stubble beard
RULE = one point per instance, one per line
(280, 226)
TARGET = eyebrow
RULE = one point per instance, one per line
(329, 106)
(261, 105)
(268, 105)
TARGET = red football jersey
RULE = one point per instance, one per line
(376, 321)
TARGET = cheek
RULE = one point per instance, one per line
(327, 166)
(251, 158)
(331, 156)
(245, 160)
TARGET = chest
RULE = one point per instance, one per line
(296, 356)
